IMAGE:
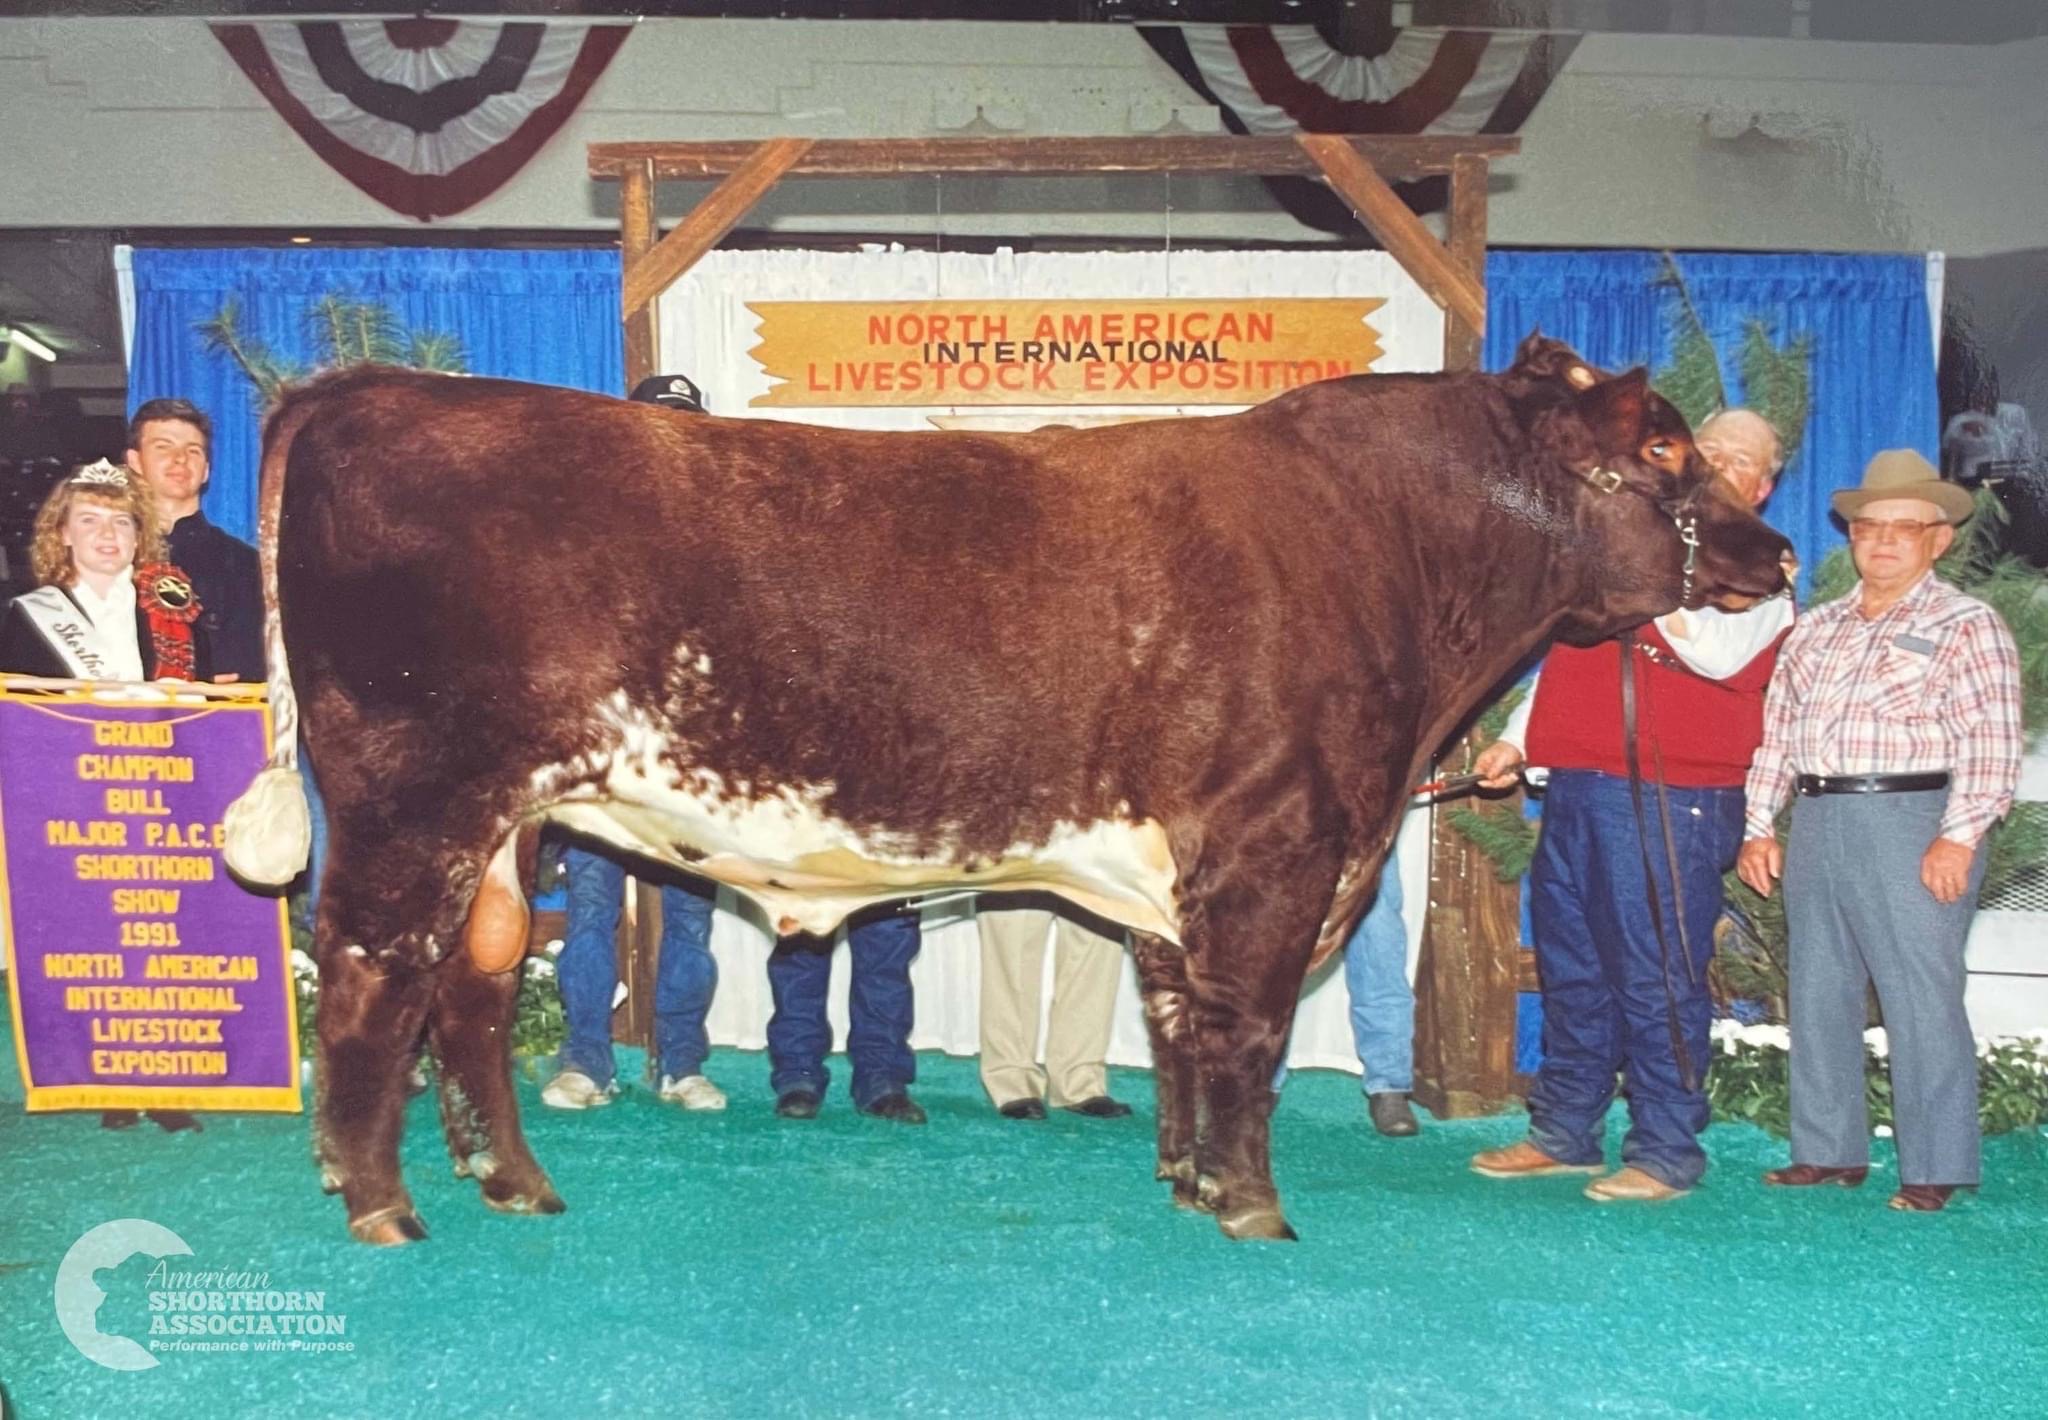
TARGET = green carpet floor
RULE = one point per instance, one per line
(735, 1264)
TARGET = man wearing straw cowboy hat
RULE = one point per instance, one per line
(1895, 713)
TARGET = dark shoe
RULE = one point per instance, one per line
(899, 1107)
(120, 1118)
(1808, 1175)
(1099, 1107)
(1026, 1108)
(1923, 1197)
(1391, 1114)
(797, 1104)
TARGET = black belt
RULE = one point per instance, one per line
(1811, 784)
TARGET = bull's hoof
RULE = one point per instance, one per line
(1181, 1174)
(1257, 1225)
(388, 1227)
(506, 1196)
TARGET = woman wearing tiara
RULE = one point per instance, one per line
(108, 607)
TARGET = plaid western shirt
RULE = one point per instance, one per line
(1932, 683)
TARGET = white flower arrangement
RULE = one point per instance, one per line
(1750, 1079)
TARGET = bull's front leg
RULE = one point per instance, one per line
(371, 1012)
(1162, 972)
(1238, 1044)
(470, 1025)
(1249, 944)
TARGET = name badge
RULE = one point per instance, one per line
(1919, 645)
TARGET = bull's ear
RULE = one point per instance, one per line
(1617, 410)
(1541, 358)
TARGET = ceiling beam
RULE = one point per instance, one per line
(1396, 159)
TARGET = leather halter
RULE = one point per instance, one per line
(1685, 517)
(1687, 1073)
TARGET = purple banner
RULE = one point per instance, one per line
(144, 976)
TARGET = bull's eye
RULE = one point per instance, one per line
(1660, 450)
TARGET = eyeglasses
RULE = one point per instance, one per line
(1880, 529)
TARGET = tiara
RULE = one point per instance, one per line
(102, 474)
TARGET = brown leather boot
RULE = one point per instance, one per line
(1524, 1160)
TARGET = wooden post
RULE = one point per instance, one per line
(648, 274)
(1449, 282)
(1471, 969)
(636, 239)
(1463, 341)
(1467, 979)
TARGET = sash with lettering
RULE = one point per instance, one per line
(70, 633)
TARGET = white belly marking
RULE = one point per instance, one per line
(805, 867)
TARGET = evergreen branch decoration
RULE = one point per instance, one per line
(1495, 829)
(1693, 381)
(1750, 962)
(1495, 718)
(351, 332)
(223, 336)
(436, 350)
(1501, 833)
(343, 330)
(1777, 382)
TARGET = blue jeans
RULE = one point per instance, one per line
(1605, 1006)
(587, 972)
(879, 1006)
(1382, 1001)
(316, 850)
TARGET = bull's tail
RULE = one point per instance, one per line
(269, 829)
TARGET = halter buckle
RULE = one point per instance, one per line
(1607, 480)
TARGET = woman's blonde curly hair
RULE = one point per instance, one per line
(51, 559)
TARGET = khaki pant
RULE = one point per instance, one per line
(1085, 971)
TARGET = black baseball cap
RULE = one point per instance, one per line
(671, 392)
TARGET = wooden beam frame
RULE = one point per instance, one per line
(1359, 168)
(1466, 986)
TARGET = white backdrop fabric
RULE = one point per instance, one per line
(705, 332)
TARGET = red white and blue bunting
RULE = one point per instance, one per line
(428, 116)
(1290, 78)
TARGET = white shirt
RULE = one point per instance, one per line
(113, 619)
(1714, 643)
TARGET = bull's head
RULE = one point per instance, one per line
(1646, 525)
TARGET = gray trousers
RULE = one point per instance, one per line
(1857, 911)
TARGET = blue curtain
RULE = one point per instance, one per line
(547, 316)
(1873, 371)
(1873, 347)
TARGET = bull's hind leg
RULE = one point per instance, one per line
(471, 1030)
(1162, 972)
(371, 1012)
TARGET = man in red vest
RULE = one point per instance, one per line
(1624, 989)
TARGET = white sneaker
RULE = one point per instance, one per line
(572, 1089)
(692, 1092)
